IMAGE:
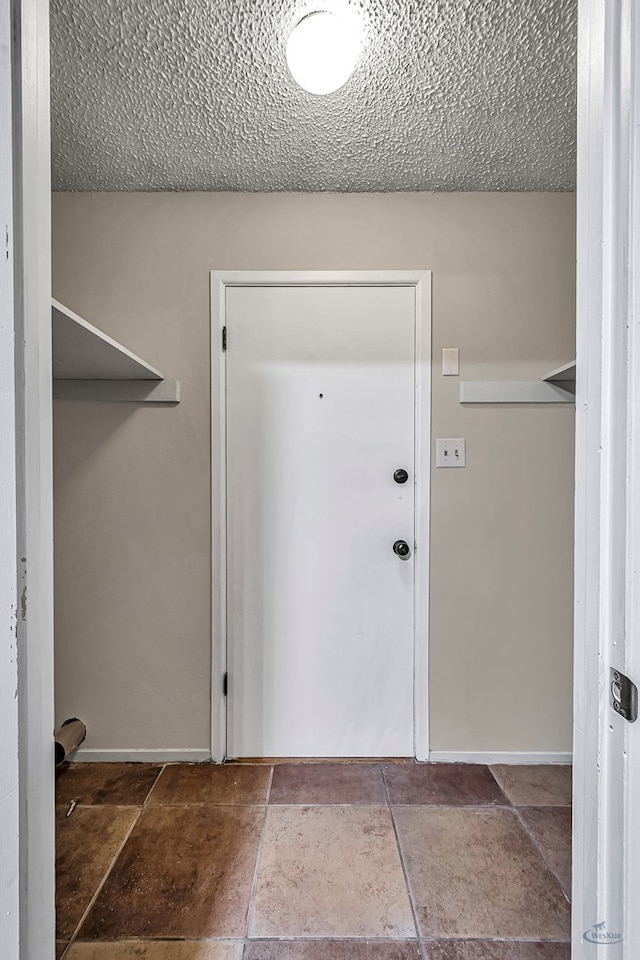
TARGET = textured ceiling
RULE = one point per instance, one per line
(196, 95)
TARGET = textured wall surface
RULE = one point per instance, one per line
(132, 484)
(447, 95)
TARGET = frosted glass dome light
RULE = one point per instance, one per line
(322, 51)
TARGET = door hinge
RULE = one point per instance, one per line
(224, 338)
(623, 695)
(225, 684)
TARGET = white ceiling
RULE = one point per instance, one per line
(195, 95)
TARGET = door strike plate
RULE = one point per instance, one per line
(623, 695)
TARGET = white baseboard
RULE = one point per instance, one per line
(87, 755)
(497, 756)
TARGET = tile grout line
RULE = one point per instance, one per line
(104, 879)
(273, 770)
(254, 884)
(499, 785)
(154, 784)
(382, 940)
(364, 939)
(403, 865)
(539, 849)
(512, 940)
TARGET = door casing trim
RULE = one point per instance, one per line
(420, 280)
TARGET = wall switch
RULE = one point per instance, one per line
(450, 362)
(451, 452)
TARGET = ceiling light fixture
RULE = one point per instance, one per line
(322, 50)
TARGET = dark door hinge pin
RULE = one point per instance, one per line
(225, 684)
(224, 338)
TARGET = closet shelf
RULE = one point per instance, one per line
(89, 365)
(557, 386)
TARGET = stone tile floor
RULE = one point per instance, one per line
(313, 861)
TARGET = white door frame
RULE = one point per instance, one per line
(606, 846)
(592, 851)
(9, 771)
(421, 281)
(28, 249)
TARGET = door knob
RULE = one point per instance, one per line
(401, 476)
(402, 549)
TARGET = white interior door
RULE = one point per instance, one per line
(320, 414)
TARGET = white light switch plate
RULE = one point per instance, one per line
(450, 362)
(451, 452)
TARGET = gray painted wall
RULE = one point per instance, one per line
(132, 485)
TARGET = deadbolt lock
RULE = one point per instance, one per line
(402, 549)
